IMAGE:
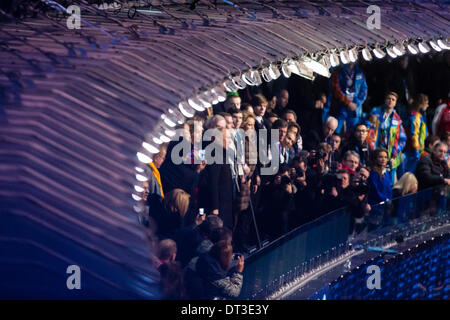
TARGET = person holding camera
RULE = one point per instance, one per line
(214, 268)
(279, 204)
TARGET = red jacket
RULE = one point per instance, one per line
(444, 121)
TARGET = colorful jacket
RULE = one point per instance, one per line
(338, 82)
(416, 132)
(397, 136)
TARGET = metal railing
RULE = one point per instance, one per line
(308, 248)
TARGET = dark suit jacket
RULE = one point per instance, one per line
(183, 176)
(313, 138)
(363, 150)
(216, 190)
(430, 173)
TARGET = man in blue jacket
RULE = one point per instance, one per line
(348, 93)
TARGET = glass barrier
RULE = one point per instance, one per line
(309, 247)
(418, 273)
(296, 253)
(391, 220)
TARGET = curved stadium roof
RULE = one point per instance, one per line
(76, 105)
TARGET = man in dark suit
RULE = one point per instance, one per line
(216, 181)
(433, 170)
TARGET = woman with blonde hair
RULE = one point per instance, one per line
(404, 190)
(406, 185)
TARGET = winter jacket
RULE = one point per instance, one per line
(431, 172)
(218, 282)
(396, 139)
(339, 96)
(416, 132)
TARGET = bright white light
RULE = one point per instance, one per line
(150, 148)
(301, 69)
(256, 77)
(443, 45)
(326, 61)
(136, 197)
(423, 47)
(380, 54)
(138, 188)
(183, 108)
(143, 158)
(164, 138)
(399, 50)
(221, 95)
(213, 98)
(366, 54)
(274, 72)
(286, 70)
(237, 81)
(206, 98)
(391, 53)
(334, 59)
(140, 170)
(412, 49)
(265, 73)
(156, 140)
(229, 86)
(197, 105)
(249, 78)
(141, 178)
(344, 57)
(317, 67)
(169, 122)
(353, 55)
(169, 132)
(434, 46)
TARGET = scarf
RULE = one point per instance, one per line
(155, 172)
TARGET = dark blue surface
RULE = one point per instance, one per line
(421, 273)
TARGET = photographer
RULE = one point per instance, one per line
(335, 191)
(306, 200)
(358, 203)
(278, 210)
(219, 280)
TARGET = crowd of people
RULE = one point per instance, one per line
(335, 150)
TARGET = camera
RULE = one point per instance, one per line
(300, 172)
(319, 154)
(360, 186)
(285, 181)
(330, 181)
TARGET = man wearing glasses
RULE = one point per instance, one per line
(359, 144)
